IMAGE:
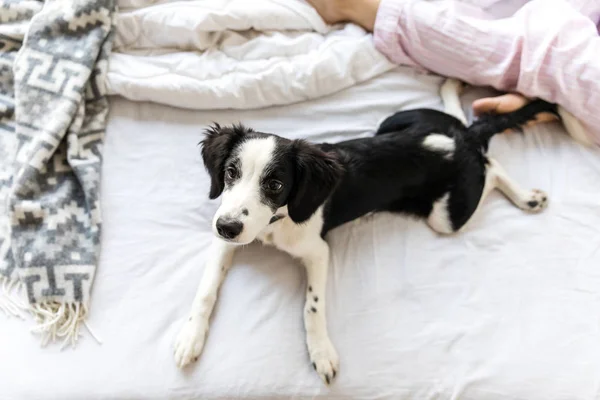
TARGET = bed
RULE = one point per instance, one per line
(509, 309)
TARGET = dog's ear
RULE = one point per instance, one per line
(317, 174)
(216, 148)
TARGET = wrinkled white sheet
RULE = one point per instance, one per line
(509, 309)
(240, 54)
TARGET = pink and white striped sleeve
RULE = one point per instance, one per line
(548, 49)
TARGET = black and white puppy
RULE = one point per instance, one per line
(290, 193)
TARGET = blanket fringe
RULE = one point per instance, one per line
(57, 321)
(54, 320)
(12, 300)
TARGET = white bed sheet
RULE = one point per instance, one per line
(509, 309)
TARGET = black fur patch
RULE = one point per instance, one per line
(393, 171)
(216, 149)
(317, 174)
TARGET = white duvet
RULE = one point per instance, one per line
(220, 54)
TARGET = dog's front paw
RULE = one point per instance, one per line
(190, 342)
(324, 360)
(535, 202)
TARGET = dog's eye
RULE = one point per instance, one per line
(231, 173)
(274, 186)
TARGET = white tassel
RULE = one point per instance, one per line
(54, 321)
(11, 298)
(58, 321)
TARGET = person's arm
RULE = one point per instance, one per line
(360, 12)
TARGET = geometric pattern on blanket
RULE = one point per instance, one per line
(53, 112)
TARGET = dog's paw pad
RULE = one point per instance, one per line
(326, 362)
(536, 201)
(190, 342)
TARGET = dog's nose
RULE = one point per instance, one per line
(229, 228)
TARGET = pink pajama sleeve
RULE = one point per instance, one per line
(548, 49)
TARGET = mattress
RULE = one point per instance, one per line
(508, 309)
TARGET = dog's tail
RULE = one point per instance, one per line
(482, 130)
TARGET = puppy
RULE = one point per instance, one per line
(290, 193)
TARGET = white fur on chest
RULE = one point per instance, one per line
(294, 239)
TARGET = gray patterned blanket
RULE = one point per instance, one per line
(53, 109)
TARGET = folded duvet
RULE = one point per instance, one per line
(238, 54)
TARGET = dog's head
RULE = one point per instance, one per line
(258, 173)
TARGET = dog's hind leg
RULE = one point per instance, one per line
(450, 94)
(529, 200)
(446, 219)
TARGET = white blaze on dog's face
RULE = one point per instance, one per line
(247, 200)
(257, 173)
